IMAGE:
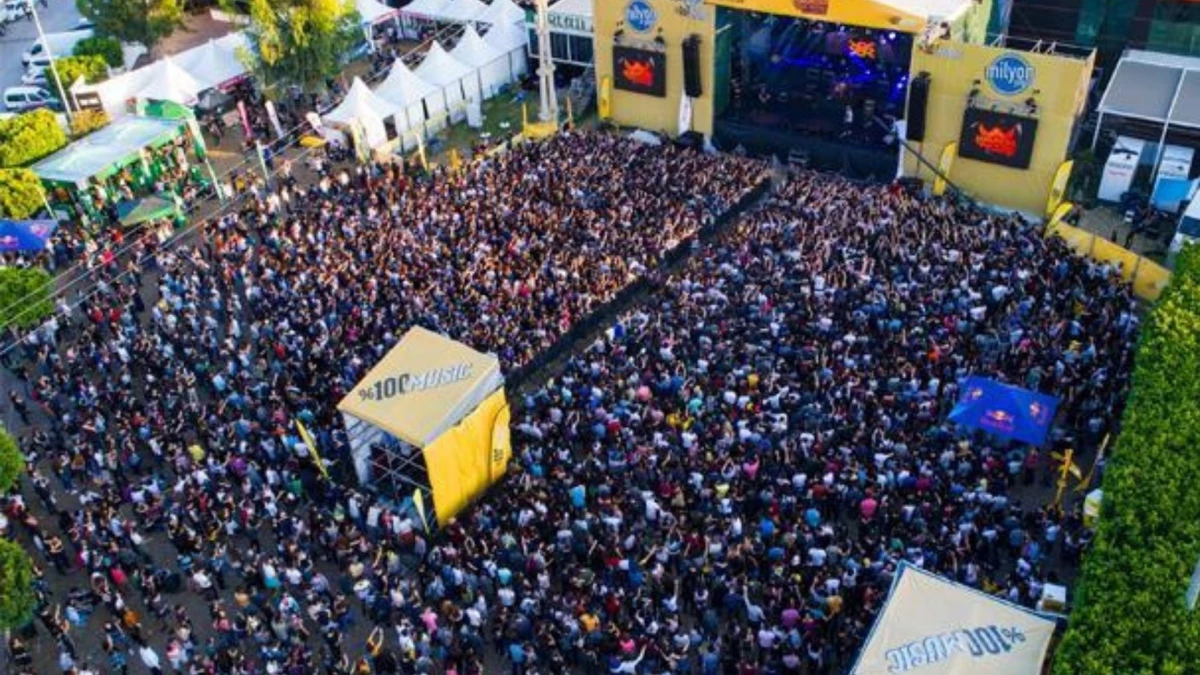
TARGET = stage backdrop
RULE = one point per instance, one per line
(1006, 80)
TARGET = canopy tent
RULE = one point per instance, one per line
(106, 151)
(908, 16)
(1005, 410)
(503, 12)
(25, 235)
(135, 211)
(490, 64)
(446, 72)
(440, 398)
(513, 40)
(363, 106)
(169, 82)
(932, 626)
(215, 63)
(373, 11)
(425, 9)
(463, 10)
(410, 97)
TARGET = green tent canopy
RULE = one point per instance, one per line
(135, 211)
(107, 151)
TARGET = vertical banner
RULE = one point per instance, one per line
(685, 114)
(1056, 218)
(312, 448)
(358, 135)
(1058, 187)
(421, 153)
(605, 99)
(245, 119)
(274, 117)
(419, 502)
(944, 165)
(261, 151)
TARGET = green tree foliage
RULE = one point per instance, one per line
(12, 463)
(1129, 614)
(17, 597)
(24, 296)
(145, 22)
(85, 122)
(91, 68)
(300, 43)
(21, 194)
(28, 137)
(107, 48)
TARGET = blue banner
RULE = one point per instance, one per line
(1005, 410)
(25, 235)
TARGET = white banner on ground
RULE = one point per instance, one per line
(931, 626)
(1122, 164)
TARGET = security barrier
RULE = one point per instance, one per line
(1148, 277)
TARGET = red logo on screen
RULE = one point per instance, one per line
(638, 72)
(863, 49)
(998, 140)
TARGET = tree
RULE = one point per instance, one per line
(21, 194)
(28, 137)
(17, 597)
(85, 122)
(301, 43)
(91, 68)
(24, 296)
(12, 462)
(107, 48)
(145, 22)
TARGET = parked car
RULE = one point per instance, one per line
(61, 44)
(19, 99)
(15, 10)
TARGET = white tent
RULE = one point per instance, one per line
(373, 11)
(430, 10)
(502, 12)
(444, 71)
(463, 10)
(369, 110)
(491, 64)
(215, 63)
(512, 39)
(410, 97)
(169, 82)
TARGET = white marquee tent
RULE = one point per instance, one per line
(502, 12)
(170, 82)
(430, 10)
(373, 11)
(363, 106)
(444, 71)
(411, 97)
(490, 63)
(512, 40)
(215, 63)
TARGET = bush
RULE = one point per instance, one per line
(21, 193)
(12, 462)
(17, 597)
(28, 137)
(24, 296)
(106, 48)
(85, 122)
(1129, 614)
(92, 69)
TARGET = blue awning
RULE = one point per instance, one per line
(25, 235)
(1005, 410)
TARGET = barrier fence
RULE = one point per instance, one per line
(1147, 277)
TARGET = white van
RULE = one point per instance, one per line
(15, 10)
(61, 44)
(17, 99)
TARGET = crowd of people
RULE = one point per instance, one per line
(723, 482)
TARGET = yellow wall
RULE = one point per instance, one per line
(651, 112)
(953, 68)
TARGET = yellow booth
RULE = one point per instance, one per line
(430, 421)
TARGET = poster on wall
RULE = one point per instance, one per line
(1120, 167)
(997, 137)
(640, 71)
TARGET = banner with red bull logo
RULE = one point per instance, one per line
(1005, 410)
(997, 137)
(933, 626)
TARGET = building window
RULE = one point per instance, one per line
(533, 43)
(560, 47)
(581, 49)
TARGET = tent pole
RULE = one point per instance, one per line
(1096, 134)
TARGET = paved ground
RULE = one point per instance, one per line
(19, 36)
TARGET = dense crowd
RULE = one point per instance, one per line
(169, 411)
(722, 483)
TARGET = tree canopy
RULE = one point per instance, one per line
(21, 194)
(17, 597)
(301, 43)
(28, 137)
(12, 463)
(145, 22)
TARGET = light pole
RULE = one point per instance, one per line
(62, 91)
(548, 110)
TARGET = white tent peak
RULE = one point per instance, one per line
(440, 68)
(502, 12)
(506, 37)
(373, 11)
(473, 50)
(168, 81)
(430, 9)
(463, 10)
(402, 87)
(360, 101)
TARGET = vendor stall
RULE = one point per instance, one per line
(430, 421)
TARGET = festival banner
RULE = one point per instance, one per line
(245, 117)
(685, 114)
(932, 626)
(997, 138)
(944, 165)
(605, 100)
(1058, 188)
(312, 448)
(273, 115)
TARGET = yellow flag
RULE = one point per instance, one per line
(1075, 471)
(312, 448)
(419, 502)
(421, 152)
(524, 117)
(605, 99)
(944, 166)
(1058, 188)
(455, 159)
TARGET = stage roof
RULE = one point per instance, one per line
(1156, 88)
(909, 16)
(423, 386)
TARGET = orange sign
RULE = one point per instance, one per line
(997, 140)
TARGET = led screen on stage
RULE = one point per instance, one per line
(640, 71)
(996, 137)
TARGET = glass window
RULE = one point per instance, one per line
(560, 47)
(533, 43)
(581, 49)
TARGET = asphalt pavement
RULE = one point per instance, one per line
(19, 36)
